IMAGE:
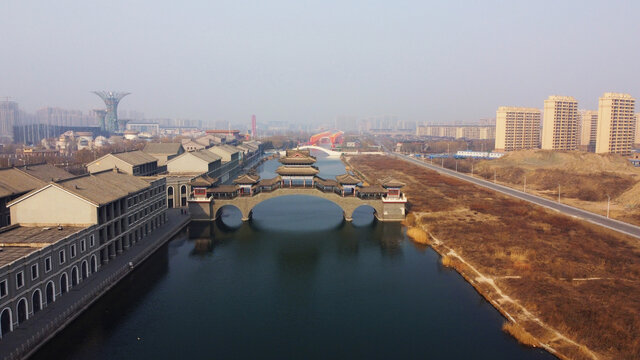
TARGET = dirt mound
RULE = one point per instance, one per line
(583, 176)
(631, 197)
(572, 161)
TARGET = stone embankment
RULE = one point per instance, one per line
(30, 336)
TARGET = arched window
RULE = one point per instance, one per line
(64, 284)
(22, 310)
(6, 322)
(36, 301)
(74, 276)
(85, 270)
(94, 264)
(183, 195)
(50, 292)
(170, 197)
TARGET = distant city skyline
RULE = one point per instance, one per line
(310, 62)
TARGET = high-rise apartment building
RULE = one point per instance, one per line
(637, 141)
(9, 115)
(560, 123)
(458, 131)
(517, 128)
(616, 124)
(588, 129)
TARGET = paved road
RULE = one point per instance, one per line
(616, 225)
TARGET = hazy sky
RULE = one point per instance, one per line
(301, 60)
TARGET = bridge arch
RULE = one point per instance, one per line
(345, 214)
(329, 152)
(217, 215)
(362, 209)
(246, 203)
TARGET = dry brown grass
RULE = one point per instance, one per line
(418, 235)
(585, 178)
(520, 334)
(539, 250)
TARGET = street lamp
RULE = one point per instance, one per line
(456, 165)
(525, 183)
(608, 202)
(494, 176)
(558, 192)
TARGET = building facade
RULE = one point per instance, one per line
(588, 129)
(616, 124)
(471, 132)
(517, 128)
(163, 152)
(196, 162)
(135, 163)
(64, 232)
(560, 123)
(17, 181)
(9, 115)
(637, 140)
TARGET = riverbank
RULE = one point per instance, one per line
(572, 286)
(30, 336)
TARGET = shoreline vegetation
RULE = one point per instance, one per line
(565, 285)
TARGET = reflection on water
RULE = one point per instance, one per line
(98, 324)
(294, 282)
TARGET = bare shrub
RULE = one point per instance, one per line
(520, 334)
(447, 261)
(418, 235)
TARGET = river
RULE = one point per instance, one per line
(295, 282)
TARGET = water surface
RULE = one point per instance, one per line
(295, 282)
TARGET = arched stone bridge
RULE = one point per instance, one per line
(348, 203)
(335, 154)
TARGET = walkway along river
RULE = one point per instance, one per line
(297, 281)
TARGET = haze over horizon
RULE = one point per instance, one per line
(313, 61)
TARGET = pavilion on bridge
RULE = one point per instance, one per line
(247, 184)
(297, 169)
(348, 184)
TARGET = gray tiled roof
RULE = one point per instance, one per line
(103, 187)
(13, 182)
(347, 179)
(206, 155)
(133, 158)
(162, 148)
(23, 179)
(46, 172)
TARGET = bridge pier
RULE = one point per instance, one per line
(384, 211)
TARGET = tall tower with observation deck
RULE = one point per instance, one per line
(111, 99)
